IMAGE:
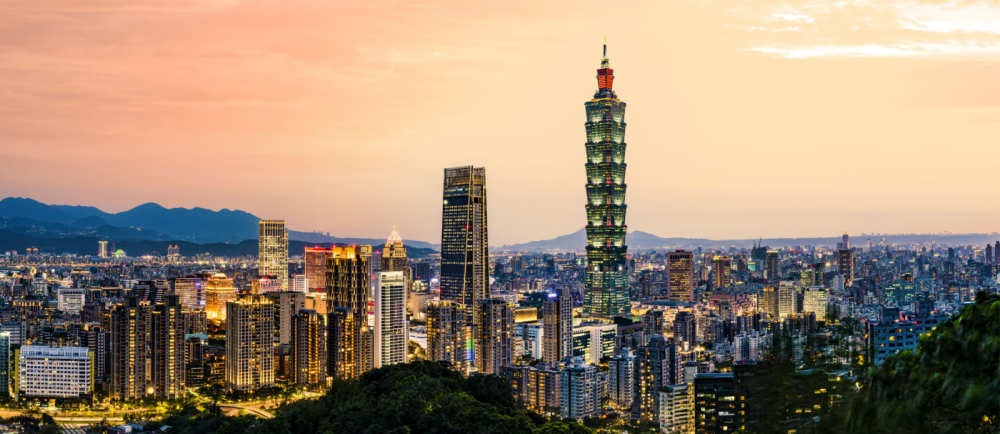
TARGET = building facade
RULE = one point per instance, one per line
(249, 343)
(557, 320)
(495, 340)
(448, 337)
(308, 348)
(465, 268)
(272, 257)
(392, 334)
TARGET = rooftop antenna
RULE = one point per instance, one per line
(605, 46)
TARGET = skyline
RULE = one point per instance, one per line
(723, 98)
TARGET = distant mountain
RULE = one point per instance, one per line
(153, 222)
(88, 246)
(638, 240)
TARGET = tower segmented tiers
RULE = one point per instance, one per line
(606, 291)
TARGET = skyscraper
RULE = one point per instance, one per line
(249, 343)
(394, 257)
(723, 268)
(606, 287)
(465, 269)
(348, 281)
(167, 336)
(657, 365)
(272, 258)
(685, 329)
(218, 291)
(845, 260)
(557, 317)
(315, 258)
(621, 381)
(495, 340)
(580, 389)
(129, 333)
(773, 270)
(308, 348)
(391, 334)
(286, 305)
(448, 337)
(680, 273)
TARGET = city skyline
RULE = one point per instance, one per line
(807, 119)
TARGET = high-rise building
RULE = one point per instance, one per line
(677, 409)
(61, 375)
(606, 288)
(715, 405)
(167, 336)
(495, 340)
(536, 386)
(391, 332)
(219, 290)
(70, 300)
(652, 322)
(421, 271)
(465, 268)
(814, 300)
(557, 318)
(308, 348)
(621, 381)
(191, 291)
(580, 388)
(845, 260)
(249, 343)
(272, 258)
(129, 335)
(680, 275)
(315, 263)
(348, 284)
(657, 365)
(4, 361)
(286, 305)
(750, 345)
(846, 243)
(394, 257)
(685, 329)
(787, 301)
(723, 269)
(151, 290)
(448, 337)
(773, 270)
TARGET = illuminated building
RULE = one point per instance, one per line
(685, 329)
(249, 343)
(773, 270)
(394, 257)
(677, 409)
(580, 388)
(465, 268)
(391, 332)
(606, 288)
(129, 335)
(715, 405)
(621, 381)
(845, 261)
(300, 283)
(495, 343)
(652, 322)
(557, 317)
(167, 336)
(348, 282)
(594, 341)
(59, 374)
(286, 305)
(807, 277)
(308, 348)
(680, 275)
(272, 258)
(191, 291)
(316, 267)
(173, 253)
(70, 300)
(219, 290)
(102, 251)
(750, 345)
(814, 300)
(657, 364)
(723, 268)
(536, 386)
(787, 301)
(5, 361)
(151, 290)
(448, 337)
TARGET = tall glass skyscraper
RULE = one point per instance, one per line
(606, 291)
(273, 251)
(465, 269)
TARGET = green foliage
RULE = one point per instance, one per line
(562, 428)
(948, 385)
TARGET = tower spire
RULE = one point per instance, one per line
(605, 48)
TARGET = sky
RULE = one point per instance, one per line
(747, 118)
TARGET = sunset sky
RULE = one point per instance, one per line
(745, 118)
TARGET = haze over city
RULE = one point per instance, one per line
(791, 119)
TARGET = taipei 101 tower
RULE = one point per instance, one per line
(606, 291)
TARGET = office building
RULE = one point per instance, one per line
(677, 409)
(657, 365)
(315, 264)
(580, 389)
(448, 337)
(814, 300)
(70, 300)
(348, 284)
(191, 291)
(129, 336)
(680, 275)
(621, 381)
(465, 268)
(18, 332)
(4, 361)
(391, 332)
(421, 271)
(901, 292)
(299, 283)
(60, 375)
(249, 343)
(845, 261)
(594, 341)
(686, 329)
(219, 290)
(286, 305)
(773, 269)
(167, 337)
(495, 340)
(557, 318)
(308, 348)
(606, 292)
(394, 257)
(272, 257)
(723, 266)
(715, 404)
(787, 301)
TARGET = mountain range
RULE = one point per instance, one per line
(150, 222)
